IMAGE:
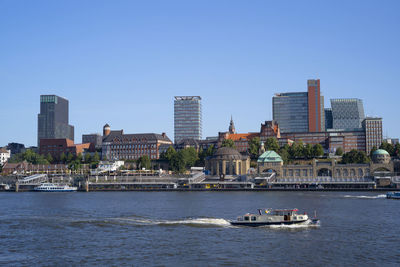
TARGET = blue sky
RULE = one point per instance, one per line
(122, 62)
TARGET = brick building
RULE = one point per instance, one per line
(117, 145)
(55, 147)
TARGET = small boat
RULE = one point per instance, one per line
(274, 217)
(393, 195)
(51, 187)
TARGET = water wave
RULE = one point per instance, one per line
(365, 197)
(189, 222)
(306, 224)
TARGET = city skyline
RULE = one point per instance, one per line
(125, 68)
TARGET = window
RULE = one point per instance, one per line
(246, 218)
(254, 218)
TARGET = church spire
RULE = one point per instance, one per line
(232, 129)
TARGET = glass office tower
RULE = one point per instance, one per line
(187, 118)
(290, 110)
(53, 118)
(347, 113)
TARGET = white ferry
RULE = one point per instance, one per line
(274, 217)
(51, 187)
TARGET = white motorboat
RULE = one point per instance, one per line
(274, 217)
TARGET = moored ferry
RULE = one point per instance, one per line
(274, 217)
(51, 187)
(393, 195)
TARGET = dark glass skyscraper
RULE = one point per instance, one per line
(290, 110)
(53, 118)
(187, 118)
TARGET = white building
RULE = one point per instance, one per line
(4, 155)
(108, 166)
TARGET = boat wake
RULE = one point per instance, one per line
(365, 197)
(306, 224)
(196, 222)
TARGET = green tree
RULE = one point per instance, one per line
(169, 153)
(228, 143)
(70, 157)
(354, 156)
(1, 168)
(339, 151)
(210, 151)
(372, 151)
(254, 147)
(88, 158)
(318, 150)
(284, 153)
(272, 144)
(63, 158)
(96, 157)
(177, 163)
(397, 150)
(308, 151)
(144, 162)
(49, 158)
(79, 157)
(388, 147)
(190, 156)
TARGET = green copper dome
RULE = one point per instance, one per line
(380, 152)
(270, 156)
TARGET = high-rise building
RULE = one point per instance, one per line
(316, 112)
(328, 119)
(373, 132)
(347, 113)
(53, 119)
(187, 118)
(290, 111)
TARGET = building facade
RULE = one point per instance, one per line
(119, 146)
(53, 119)
(290, 111)
(316, 111)
(95, 139)
(4, 155)
(187, 118)
(56, 147)
(347, 113)
(373, 132)
(328, 119)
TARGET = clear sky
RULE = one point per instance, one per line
(122, 62)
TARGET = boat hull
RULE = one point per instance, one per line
(66, 190)
(393, 195)
(256, 224)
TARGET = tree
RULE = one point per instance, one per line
(70, 157)
(272, 144)
(308, 151)
(254, 147)
(372, 151)
(285, 154)
(144, 162)
(388, 147)
(397, 150)
(339, 151)
(88, 158)
(318, 150)
(29, 156)
(49, 158)
(190, 156)
(354, 156)
(96, 157)
(1, 168)
(228, 143)
(177, 163)
(169, 153)
(63, 158)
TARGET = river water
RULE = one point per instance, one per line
(191, 229)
